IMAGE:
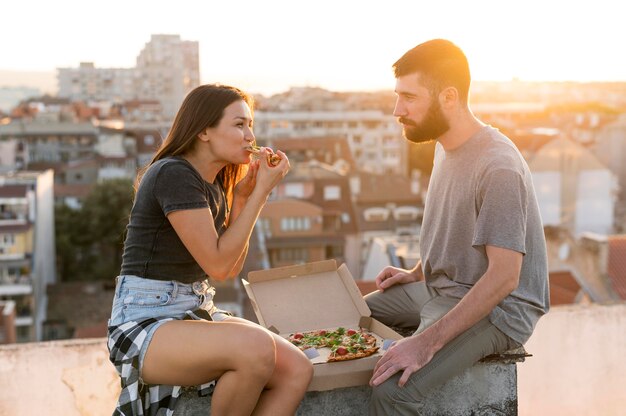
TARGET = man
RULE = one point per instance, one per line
(481, 283)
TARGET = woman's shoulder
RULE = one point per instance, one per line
(171, 165)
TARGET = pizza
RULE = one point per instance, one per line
(344, 344)
(272, 159)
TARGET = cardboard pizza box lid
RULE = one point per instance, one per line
(306, 297)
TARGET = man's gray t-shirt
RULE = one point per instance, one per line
(480, 194)
(152, 248)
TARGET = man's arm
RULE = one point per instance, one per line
(412, 353)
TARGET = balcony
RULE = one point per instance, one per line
(16, 285)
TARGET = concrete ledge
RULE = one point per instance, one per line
(488, 388)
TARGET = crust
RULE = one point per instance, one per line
(353, 355)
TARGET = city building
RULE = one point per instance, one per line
(610, 148)
(393, 213)
(574, 189)
(28, 143)
(374, 138)
(27, 247)
(167, 69)
(310, 218)
(7, 322)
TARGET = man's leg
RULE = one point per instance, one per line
(461, 353)
(400, 305)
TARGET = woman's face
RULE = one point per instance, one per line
(228, 140)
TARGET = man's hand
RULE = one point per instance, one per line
(407, 355)
(390, 276)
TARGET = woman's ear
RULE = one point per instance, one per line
(204, 136)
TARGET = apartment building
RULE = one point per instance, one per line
(27, 248)
(310, 218)
(575, 190)
(167, 69)
(28, 143)
(374, 138)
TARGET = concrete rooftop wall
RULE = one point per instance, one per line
(578, 367)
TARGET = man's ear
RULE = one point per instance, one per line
(448, 97)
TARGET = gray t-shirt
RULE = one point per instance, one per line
(152, 248)
(482, 193)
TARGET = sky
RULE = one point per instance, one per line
(341, 45)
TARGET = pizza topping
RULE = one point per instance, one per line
(341, 351)
(344, 344)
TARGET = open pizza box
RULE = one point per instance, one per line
(317, 296)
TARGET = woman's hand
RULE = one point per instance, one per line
(244, 187)
(268, 176)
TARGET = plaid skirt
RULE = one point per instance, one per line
(140, 306)
(137, 398)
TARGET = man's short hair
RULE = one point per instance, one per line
(440, 64)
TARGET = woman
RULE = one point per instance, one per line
(194, 211)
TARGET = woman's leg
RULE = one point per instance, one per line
(187, 353)
(288, 384)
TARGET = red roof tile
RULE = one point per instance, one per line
(366, 286)
(563, 288)
(617, 264)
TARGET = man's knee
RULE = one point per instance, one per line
(390, 399)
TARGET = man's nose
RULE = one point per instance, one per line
(399, 110)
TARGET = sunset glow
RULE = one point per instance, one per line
(339, 45)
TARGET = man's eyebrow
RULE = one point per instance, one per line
(406, 93)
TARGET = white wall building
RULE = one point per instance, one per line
(375, 138)
(611, 150)
(574, 189)
(166, 70)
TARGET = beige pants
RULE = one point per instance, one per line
(415, 305)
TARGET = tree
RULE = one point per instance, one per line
(90, 240)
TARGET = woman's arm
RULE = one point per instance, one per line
(221, 256)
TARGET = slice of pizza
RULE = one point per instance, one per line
(353, 345)
(272, 159)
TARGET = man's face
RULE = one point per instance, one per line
(418, 111)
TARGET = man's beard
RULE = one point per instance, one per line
(433, 126)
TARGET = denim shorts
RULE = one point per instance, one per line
(138, 299)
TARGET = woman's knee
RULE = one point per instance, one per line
(259, 356)
(303, 369)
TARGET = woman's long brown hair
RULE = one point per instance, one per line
(202, 108)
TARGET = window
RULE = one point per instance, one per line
(292, 254)
(406, 213)
(295, 224)
(332, 193)
(294, 190)
(376, 214)
(7, 240)
(333, 251)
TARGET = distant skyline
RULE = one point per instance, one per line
(346, 45)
